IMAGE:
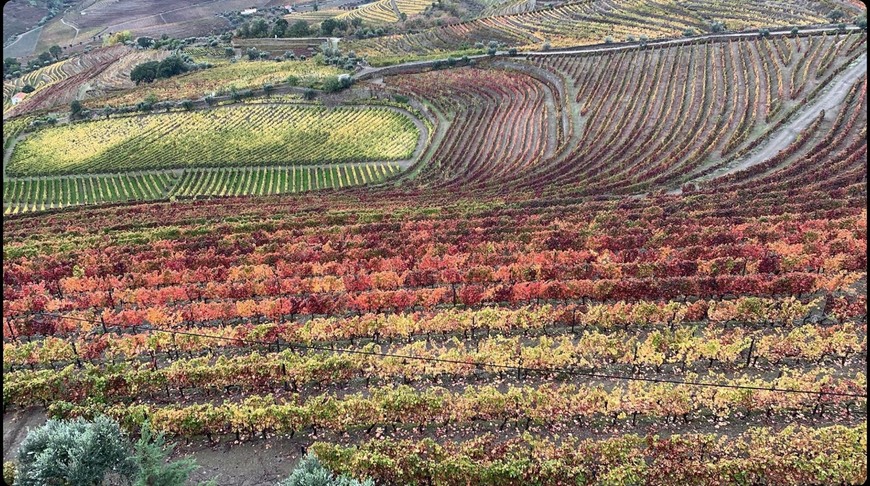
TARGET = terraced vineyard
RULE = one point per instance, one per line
(591, 137)
(380, 12)
(279, 180)
(240, 75)
(254, 135)
(385, 11)
(21, 196)
(211, 55)
(633, 264)
(580, 23)
(58, 83)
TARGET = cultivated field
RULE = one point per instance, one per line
(580, 23)
(614, 265)
(61, 82)
(240, 75)
(259, 134)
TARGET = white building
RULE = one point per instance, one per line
(249, 11)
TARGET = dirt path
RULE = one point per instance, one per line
(829, 100)
(15, 425)
(64, 22)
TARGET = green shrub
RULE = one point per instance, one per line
(152, 468)
(310, 472)
(73, 452)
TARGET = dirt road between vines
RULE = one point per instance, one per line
(829, 100)
(15, 426)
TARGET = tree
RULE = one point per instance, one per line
(309, 94)
(403, 16)
(794, 31)
(145, 42)
(28, 89)
(512, 51)
(152, 468)
(328, 26)
(491, 52)
(717, 27)
(148, 103)
(333, 84)
(55, 51)
(75, 109)
(253, 54)
(11, 64)
(299, 29)
(73, 452)
(836, 15)
(688, 33)
(546, 46)
(45, 56)
(187, 105)
(310, 472)
(268, 89)
(763, 33)
(229, 52)
(280, 28)
(245, 30)
(145, 72)
(861, 22)
(171, 66)
(118, 38)
(259, 28)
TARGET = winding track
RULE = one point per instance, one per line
(834, 95)
(68, 24)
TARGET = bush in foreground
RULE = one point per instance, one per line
(81, 453)
(73, 452)
(310, 472)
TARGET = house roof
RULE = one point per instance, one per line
(19, 96)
